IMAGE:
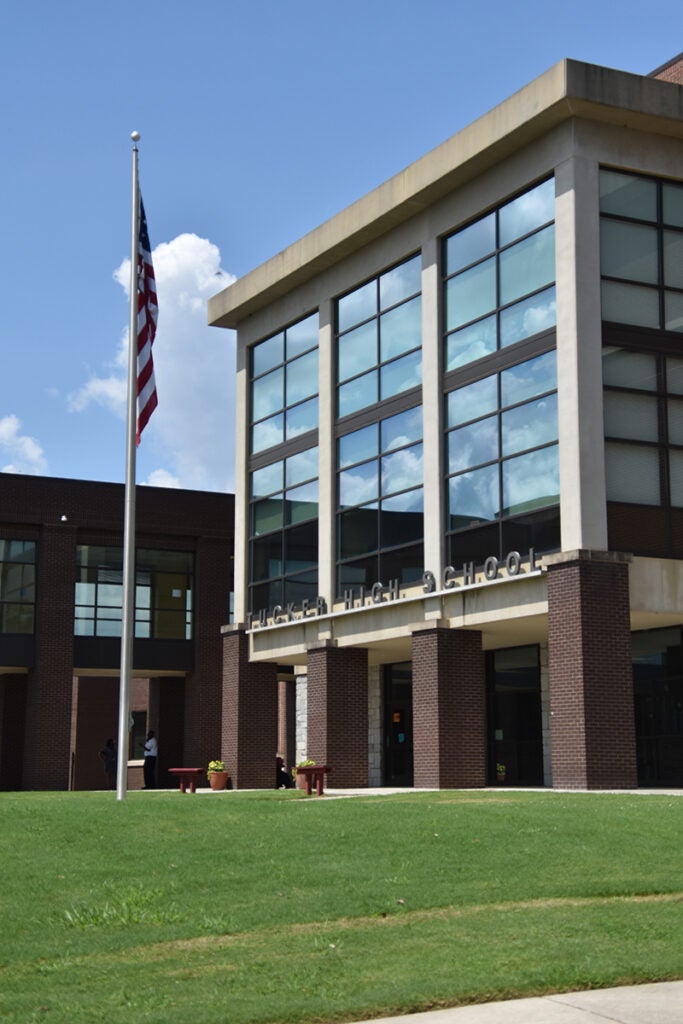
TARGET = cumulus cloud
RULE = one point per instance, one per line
(190, 435)
(25, 452)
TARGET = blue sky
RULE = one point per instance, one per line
(259, 120)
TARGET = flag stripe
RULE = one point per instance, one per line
(148, 312)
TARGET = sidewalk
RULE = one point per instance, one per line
(637, 1004)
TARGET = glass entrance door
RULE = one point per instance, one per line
(658, 705)
(398, 725)
(514, 705)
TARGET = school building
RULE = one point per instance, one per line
(459, 492)
(61, 568)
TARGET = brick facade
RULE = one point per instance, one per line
(449, 709)
(249, 715)
(591, 677)
(54, 713)
(338, 713)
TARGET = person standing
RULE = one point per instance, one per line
(150, 768)
(107, 753)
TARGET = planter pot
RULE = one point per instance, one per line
(218, 780)
(300, 780)
(501, 776)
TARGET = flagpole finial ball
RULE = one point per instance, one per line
(135, 136)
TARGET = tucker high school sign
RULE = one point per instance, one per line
(494, 568)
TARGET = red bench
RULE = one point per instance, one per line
(187, 776)
(314, 773)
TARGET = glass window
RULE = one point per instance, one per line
(528, 379)
(674, 375)
(676, 477)
(530, 316)
(527, 266)
(528, 212)
(17, 586)
(529, 426)
(531, 481)
(631, 416)
(357, 446)
(471, 244)
(474, 497)
(359, 485)
(401, 469)
(284, 385)
(675, 414)
(470, 343)
(377, 323)
(471, 294)
(265, 481)
(402, 429)
(637, 370)
(473, 445)
(635, 255)
(472, 401)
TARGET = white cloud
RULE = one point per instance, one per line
(25, 452)
(190, 436)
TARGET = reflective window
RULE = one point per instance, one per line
(163, 593)
(380, 501)
(283, 542)
(284, 385)
(379, 338)
(502, 454)
(500, 273)
(641, 251)
(17, 586)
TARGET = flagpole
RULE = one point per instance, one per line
(128, 611)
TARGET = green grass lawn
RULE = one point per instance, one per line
(270, 907)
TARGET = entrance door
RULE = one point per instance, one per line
(398, 725)
(658, 705)
(514, 702)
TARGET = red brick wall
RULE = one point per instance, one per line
(49, 686)
(449, 709)
(591, 678)
(249, 715)
(671, 72)
(338, 713)
(96, 704)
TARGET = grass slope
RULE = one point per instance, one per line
(267, 907)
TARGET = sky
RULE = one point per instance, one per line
(259, 119)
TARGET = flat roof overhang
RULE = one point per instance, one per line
(570, 89)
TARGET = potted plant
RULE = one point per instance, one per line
(218, 774)
(500, 772)
(299, 777)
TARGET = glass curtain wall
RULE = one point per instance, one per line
(284, 385)
(501, 408)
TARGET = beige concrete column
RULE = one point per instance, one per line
(326, 452)
(241, 483)
(432, 406)
(579, 355)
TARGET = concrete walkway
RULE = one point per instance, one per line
(638, 1004)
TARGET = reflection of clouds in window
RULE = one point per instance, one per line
(357, 305)
(529, 425)
(302, 377)
(531, 316)
(530, 378)
(267, 433)
(527, 212)
(399, 283)
(358, 445)
(268, 394)
(302, 336)
(358, 485)
(402, 470)
(409, 501)
(303, 466)
(358, 393)
(401, 375)
(471, 244)
(402, 429)
(357, 351)
(267, 480)
(471, 294)
(531, 481)
(473, 445)
(473, 400)
(267, 354)
(302, 418)
(474, 496)
(400, 329)
(527, 266)
(470, 343)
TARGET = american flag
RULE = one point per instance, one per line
(148, 311)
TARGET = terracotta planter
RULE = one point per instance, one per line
(501, 776)
(300, 780)
(218, 780)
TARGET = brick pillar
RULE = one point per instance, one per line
(249, 715)
(203, 689)
(338, 713)
(49, 686)
(449, 709)
(592, 723)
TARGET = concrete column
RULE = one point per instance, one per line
(338, 713)
(326, 452)
(579, 356)
(249, 714)
(432, 405)
(449, 709)
(286, 726)
(591, 674)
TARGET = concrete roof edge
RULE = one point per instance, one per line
(570, 88)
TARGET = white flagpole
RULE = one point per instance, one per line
(128, 612)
